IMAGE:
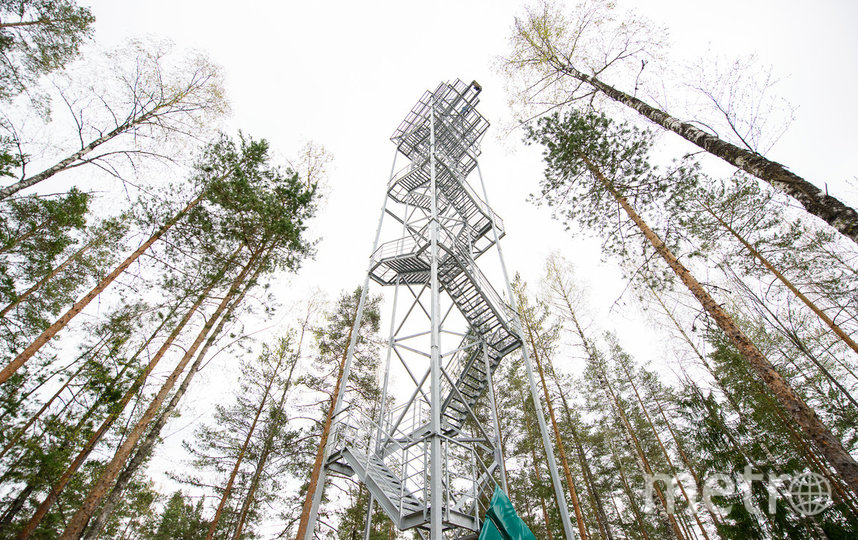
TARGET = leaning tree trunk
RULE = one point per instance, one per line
(78, 522)
(147, 446)
(815, 201)
(51, 275)
(14, 439)
(323, 441)
(573, 493)
(789, 285)
(803, 415)
(58, 487)
(72, 159)
(78, 306)
(268, 443)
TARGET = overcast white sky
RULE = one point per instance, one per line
(345, 73)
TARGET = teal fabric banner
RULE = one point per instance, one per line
(502, 523)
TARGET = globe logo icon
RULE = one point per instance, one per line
(810, 493)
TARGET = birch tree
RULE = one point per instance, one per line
(129, 105)
(564, 59)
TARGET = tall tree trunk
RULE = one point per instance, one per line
(697, 480)
(41, 283)
(270, 435)
(718, 380)
(13, 440)
(147, 446)
(628, 491)
(615, 404)
(111, 418)
(589, 481)
(228, 489)
(579, 515)
(666, 512)
(323, 441)
(74, 159)
(554, 273)
(78, 306)
(787, 283)
(804, 416)
(544, 507)
(32, 420)
(78, 522)
(664, 451)
(843, 218)
(16, 505)
(35, 22)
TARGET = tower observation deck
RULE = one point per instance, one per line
(430, 454)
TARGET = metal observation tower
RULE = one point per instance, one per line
(430, 455)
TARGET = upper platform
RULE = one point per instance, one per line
(458, 126)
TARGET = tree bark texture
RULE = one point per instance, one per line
(833, 211)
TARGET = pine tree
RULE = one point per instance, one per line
(582, 146)
(332, 341)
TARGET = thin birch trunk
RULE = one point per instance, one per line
(642, 459)
(70, 160)
(13, 440)
(609, 393)
(697, 480)
(36, 416)
(804, 416)
(840, 216)
(78, 306)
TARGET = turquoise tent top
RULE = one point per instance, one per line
(502, 523)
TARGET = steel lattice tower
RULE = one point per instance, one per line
(432, 459)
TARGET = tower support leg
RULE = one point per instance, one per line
(559, 494)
